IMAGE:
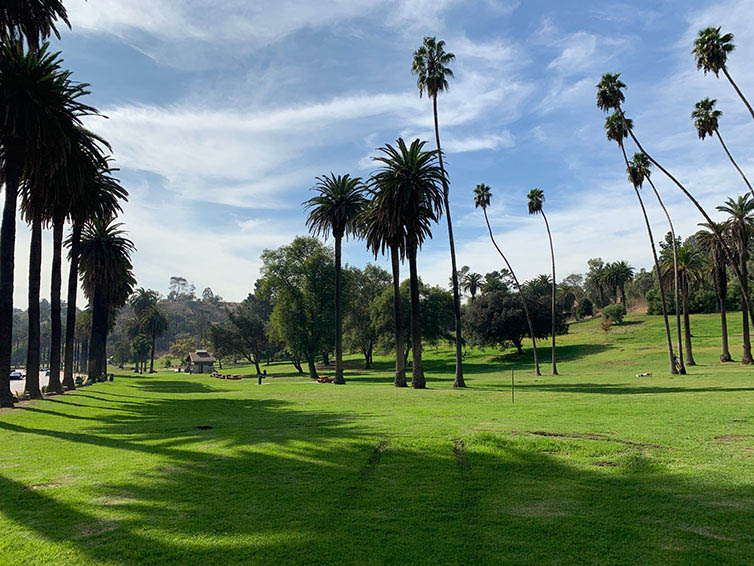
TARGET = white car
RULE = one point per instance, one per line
(16, 375)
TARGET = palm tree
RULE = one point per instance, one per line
(711, 50)
(430, 65)
(39, 107)
(709, 246)
(640, 171)
(31, 20)
(536, 199)
(337, 208)
(142, 299)
(472, 282)
(99, 198)
(740, 226)
(610, 96)
(107, 278)
(706, 122)
(381, 233)
(690, 269)
(482, 197)
(154, 324)
(410, 196)
(622, 274)
(616, 129)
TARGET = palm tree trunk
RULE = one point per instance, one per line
(552, 257)
(70, 319)
(55, 312)
(151, 355)
(338, 314)
(673, 369)
(686, 322)
(728, 255)
(7, 262)
(418, 380)
(681, 366)
(98, 335)
(35, 282)
(733, 161)
(746, 357)
(722, 293)
(741, 94)
(459, 381)
(520, 293)
(400, 360)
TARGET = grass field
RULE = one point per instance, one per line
(594, 466)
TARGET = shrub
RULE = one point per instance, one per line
(585, 309)
(614, 313)
(167, 363)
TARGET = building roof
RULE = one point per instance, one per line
(202, 357)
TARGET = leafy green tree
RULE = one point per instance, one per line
(409, 197)
(616, 129)
(585, 308)
(249, 321)
(482, 198)
(711, 50)
(360, 329)
(706, 121)
(299, 279)
(140, 348)
(596, 278)
(337, 209)
(430, 65)
(614, 313)
(536, 198)
(740, 226)
(710, 247)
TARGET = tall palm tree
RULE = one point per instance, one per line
(610, 96)
(430, 65)
(153, 324)
(740, 226)
(622, 274)
(711, 50)
(337, 208)
(100, 198)
(39, 105)
(640, 170)
(472, 282)
(706, 121)
(107, 278)
(381, 234)
(709, 246)
(411, 196)
(690, 269)
(536, 198)
(32, 20)
(616, 129)
(482, 198)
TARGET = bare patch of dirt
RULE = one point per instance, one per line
(587, 436)
(740, 420)
(43, 486)
(86, 530)
(605, 464)
(731, 438)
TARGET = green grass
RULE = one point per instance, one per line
(592, 467)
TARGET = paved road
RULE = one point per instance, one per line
(17, 385)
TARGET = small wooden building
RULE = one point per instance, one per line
(200, 361)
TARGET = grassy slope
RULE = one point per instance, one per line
(297, 472)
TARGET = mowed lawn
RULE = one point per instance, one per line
(594, 466)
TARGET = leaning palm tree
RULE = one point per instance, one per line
(610, 97)
(616, 129)
(536, 198)
(706, 121)
(472, 282)
(710, 247)
(711, 50)
(30, 20)
(740, 226)
(640, 170)
(482, 197)
(381, 234)
(337, 208)
(411, 198)
(430, 65)
(153, 324)
(107, 279)
(38, 102)
(100, 197)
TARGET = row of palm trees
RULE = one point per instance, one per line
(60, 172)
(711, 50)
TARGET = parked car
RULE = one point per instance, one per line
(16, 375)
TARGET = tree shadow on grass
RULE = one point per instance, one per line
(164, 386)
(327, 489)
(622, 389)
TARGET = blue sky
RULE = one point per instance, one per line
(222, 113)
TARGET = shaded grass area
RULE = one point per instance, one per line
(594, 466)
